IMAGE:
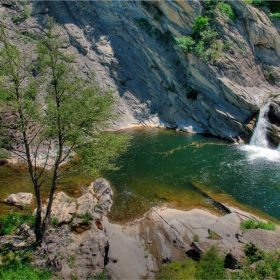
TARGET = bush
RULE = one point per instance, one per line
(274, 15)
(10, 223)
(185, 43)
(199, 49)
(253, 224)
(226, 10)
(200, 23)
(208, 35)
(210, 266)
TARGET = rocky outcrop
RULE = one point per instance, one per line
(19, 199)
(130, 47)
(82, 242)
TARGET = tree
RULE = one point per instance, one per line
(64, 119)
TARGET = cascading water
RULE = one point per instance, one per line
(259, 145)
(259, 138)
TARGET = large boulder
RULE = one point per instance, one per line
(19, 199)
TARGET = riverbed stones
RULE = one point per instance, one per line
(19, 199)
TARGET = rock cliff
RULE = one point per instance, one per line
(130, 47)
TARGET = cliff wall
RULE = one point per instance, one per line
(130, 46)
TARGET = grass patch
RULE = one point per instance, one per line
(23, 270)
(86, 217)
(210, 266)
(17, 266)
(213, 235)
(196, 238)
(253, 224)
(10, 224)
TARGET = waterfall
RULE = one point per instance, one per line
(259, 138)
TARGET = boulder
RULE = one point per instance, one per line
(19, 199)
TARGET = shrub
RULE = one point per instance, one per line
(226, 10)
(196, 238)
(85, 218)
(199, 49)
(274, 15)
(253, 224)
(26, 11)
(210, 265)
(10, 223)
(185, 43)
(208, 35)
(200, 23)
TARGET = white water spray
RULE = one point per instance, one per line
(259, 138)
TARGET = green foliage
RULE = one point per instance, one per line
(196, 238)
(200, 23)
(253, 224)
(266, 265)
(274, 15)
(199, 49)
(208, 35)
(226, 10)
(74, 111)
(71, 261)
(213, 235)
(227, 46)
(26, 11)
(16, 19)
(4, 153)
(16, 265)
(86, 217)
(23, 270)
(54, 222)
(210, 266)
(101, 276)
(10, 224)
(185, 43)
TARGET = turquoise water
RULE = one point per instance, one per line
(170, 167)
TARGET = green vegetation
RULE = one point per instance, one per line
(17, 266)
(185, 43)
(10, 224)
(26, 11)
(164, 38)
(86, 217)
(71, 261)
(253, 224)
(74, 111)
(226, 10)
(200, 23)
(274, 15)
(204, 40)
(196, 238)
(210, 266)
(266, 265)
(213, 235)
(54, 222)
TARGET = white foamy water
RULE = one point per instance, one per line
(254, 152)
(259, 136)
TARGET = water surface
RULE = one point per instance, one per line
(164, 166)
(169, 167)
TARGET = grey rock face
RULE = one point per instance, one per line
(130, 47)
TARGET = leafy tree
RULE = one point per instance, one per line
(64, 119)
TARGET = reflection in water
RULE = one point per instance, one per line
(163, 166)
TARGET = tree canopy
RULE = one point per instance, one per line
(51, 115)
